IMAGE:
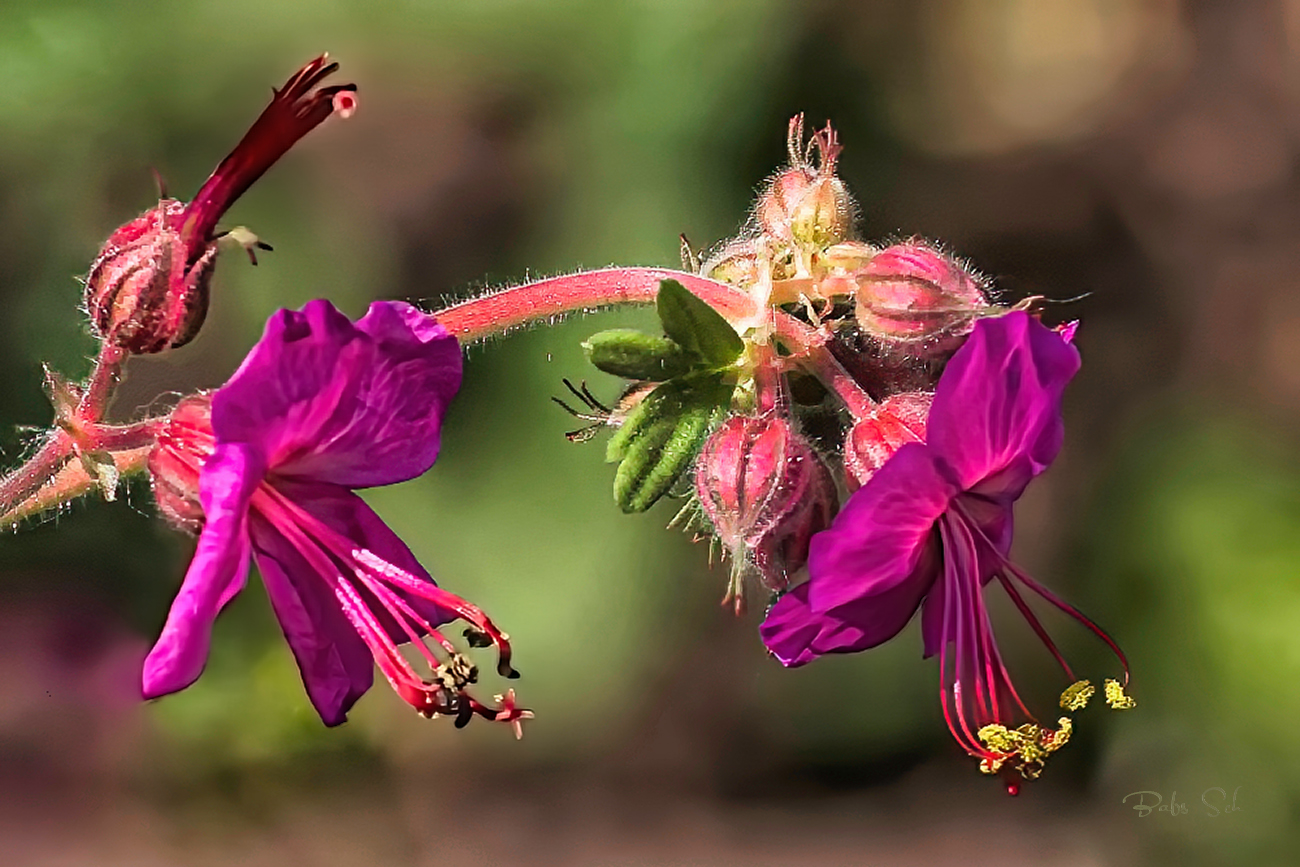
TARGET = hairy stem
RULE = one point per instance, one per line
(104, 378)
(51, 477)
(23, 482)
(68, 483)
(827, 368)
(546, 300)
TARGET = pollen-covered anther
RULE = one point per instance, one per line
(1116, 698)
(457, 673)
(1077, 695)
(1026, 748)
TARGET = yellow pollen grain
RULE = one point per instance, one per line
(1077, 695)
(1027, 746)
(1116, 698)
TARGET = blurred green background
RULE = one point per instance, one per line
(1139, 156)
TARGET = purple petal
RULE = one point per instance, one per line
(217, 572)
(880, 536)
(349, 516)
(356, 405)
(999, 401)
(796, 635)
(791, 627)
(336, 666)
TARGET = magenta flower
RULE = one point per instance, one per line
(266, 466)
(932, 527)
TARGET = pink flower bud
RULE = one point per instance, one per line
(766, 492)
(142, 294)
(873, 440)
(914, 294)
(806, 203)
(182, 446)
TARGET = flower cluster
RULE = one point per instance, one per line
(265, 468)
(851, 422)
(892, 364)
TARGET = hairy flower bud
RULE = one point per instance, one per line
(148, 288)
(873, 440)
(913, 294)
(806, 203)
(736, 263)
(131, 295)
(182, 446)
(766, 493)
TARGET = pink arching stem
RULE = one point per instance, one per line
(544, 300)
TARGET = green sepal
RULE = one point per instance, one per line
(697, 327)
(661, 436)
(636, 355)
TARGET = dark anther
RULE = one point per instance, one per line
(588, 399)
(598, 415)
(464, 713)
(476, 637)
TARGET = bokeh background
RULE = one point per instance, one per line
(1138, 156)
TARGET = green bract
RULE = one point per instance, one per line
(694, 365)
(636, 355)
(662, 434)
(696, 326)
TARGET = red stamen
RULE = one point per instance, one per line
(332, 555)
(1009, 568)
(1073, 612)
(1035, 624)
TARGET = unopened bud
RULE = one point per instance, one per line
(916, 295)
(806, 203)
(182, 446)
(736, 263)
(766, 492)
(824, 215)
(143, 293)
(873, 440)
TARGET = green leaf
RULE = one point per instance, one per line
(662, 435)
(697, 327)
(636, 355)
